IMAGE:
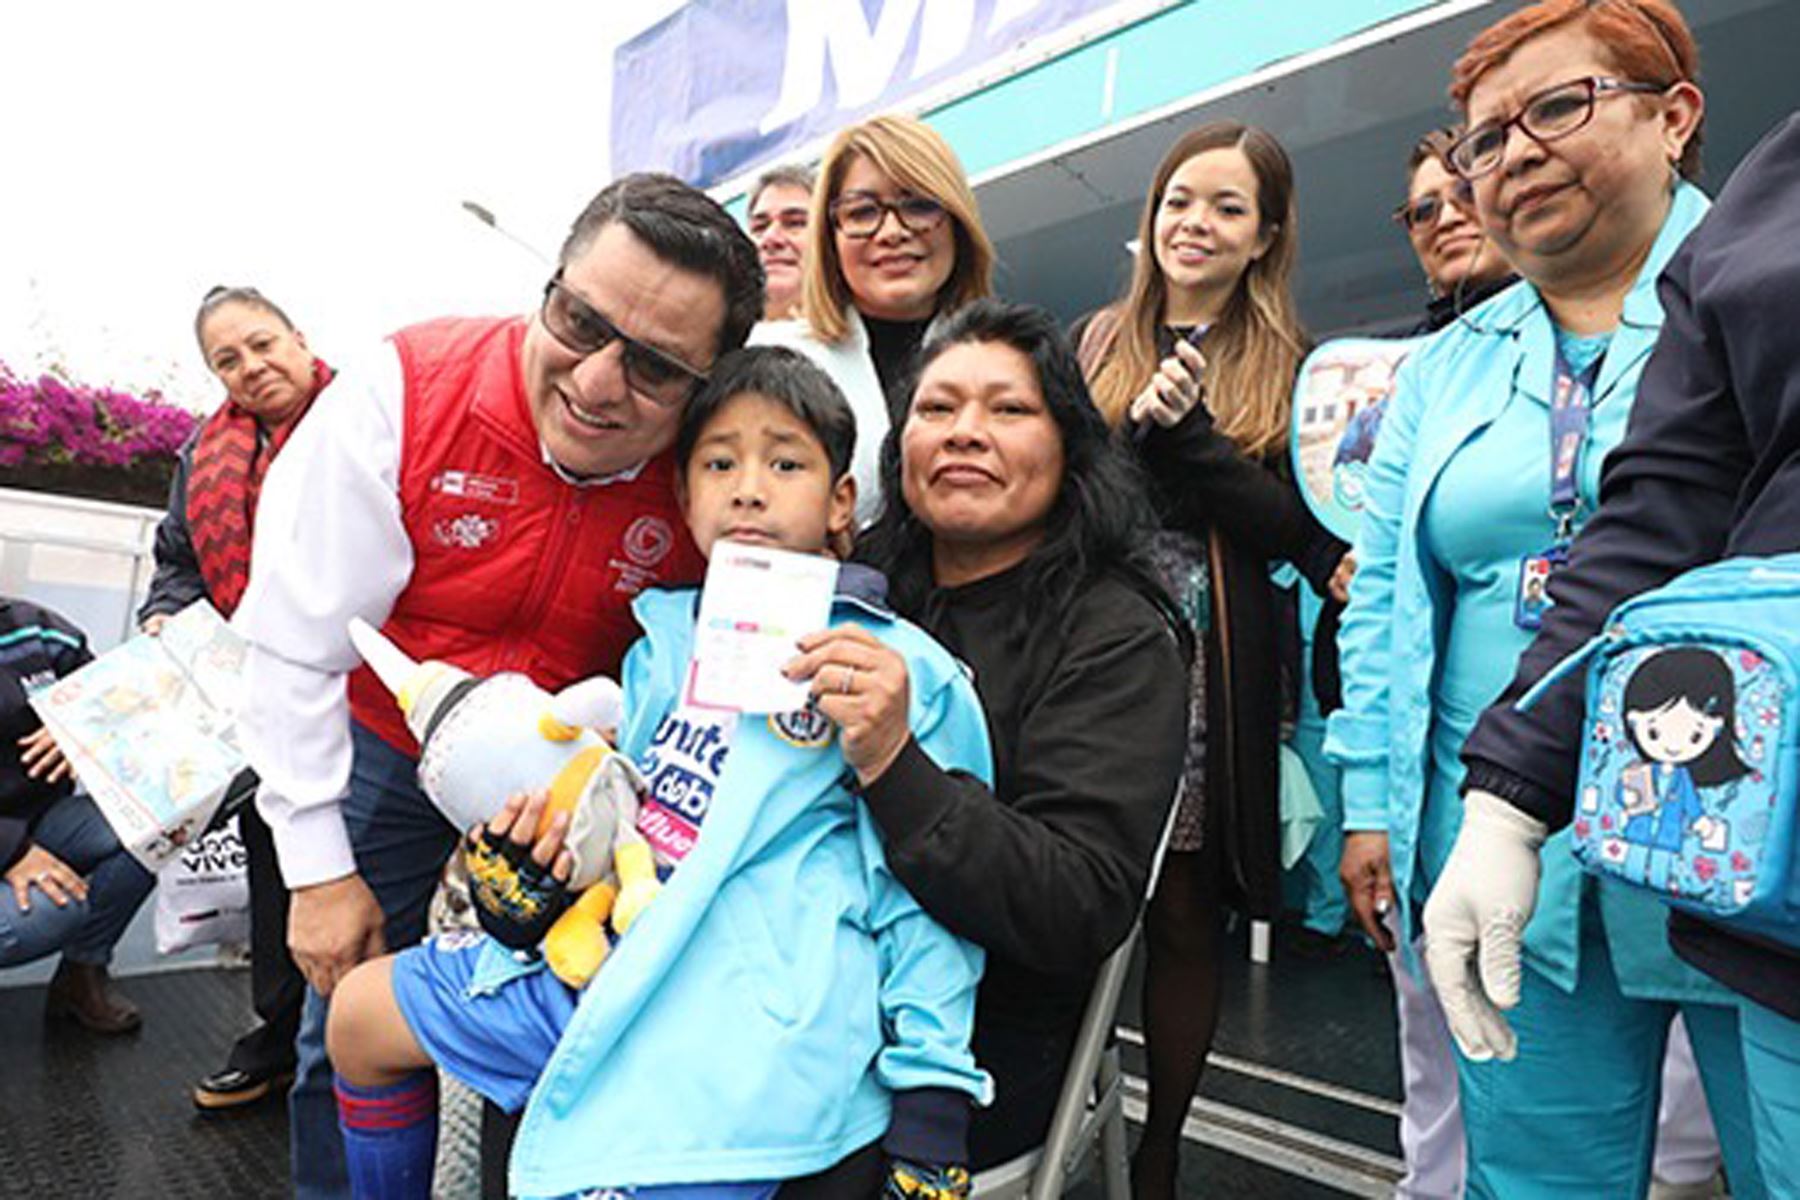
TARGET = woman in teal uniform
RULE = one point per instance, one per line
(1583, 127)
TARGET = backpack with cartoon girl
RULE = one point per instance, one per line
(1688, 755)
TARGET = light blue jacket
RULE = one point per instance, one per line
(752, 1023)
(1391, 637)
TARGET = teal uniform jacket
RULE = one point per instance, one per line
(755, 1020)
(1429, 640)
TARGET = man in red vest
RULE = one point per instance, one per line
(490, 492)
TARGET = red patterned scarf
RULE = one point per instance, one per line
(230, 459)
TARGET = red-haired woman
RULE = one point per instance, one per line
(1583, 126)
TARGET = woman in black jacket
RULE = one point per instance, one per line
(1196, 365)
(1009, 533)
(68, 885)
(203, 553)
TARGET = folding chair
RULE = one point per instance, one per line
(1091, 1105)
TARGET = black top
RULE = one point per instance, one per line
(177, 582)
(1709, 468)
(893, 345)
(1446, 308)
(36, 647)
(1047, 870)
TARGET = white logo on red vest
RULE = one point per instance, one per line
(471, 531)
(648, 541)
(492, 489)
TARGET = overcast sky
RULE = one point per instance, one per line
(319, 151)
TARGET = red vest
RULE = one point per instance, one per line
(513, 569)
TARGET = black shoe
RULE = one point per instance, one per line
(232, 1088)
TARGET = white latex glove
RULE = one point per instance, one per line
(1475, 920)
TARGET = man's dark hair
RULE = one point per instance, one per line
(1101, 518)
(687, 228)
(785, 377)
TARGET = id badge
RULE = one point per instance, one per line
(1532, 600)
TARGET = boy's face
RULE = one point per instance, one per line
(758, 474)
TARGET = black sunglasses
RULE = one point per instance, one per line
(654, 374)
(1428, 209)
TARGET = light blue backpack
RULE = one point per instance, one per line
(1690, 768)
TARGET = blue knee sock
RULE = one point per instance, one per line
(390, 1137)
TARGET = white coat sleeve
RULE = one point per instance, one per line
(329, 545)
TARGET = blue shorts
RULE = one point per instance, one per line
(499, 1040)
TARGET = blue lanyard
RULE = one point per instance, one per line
(1571, 405)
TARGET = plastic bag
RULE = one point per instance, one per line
(203, 895)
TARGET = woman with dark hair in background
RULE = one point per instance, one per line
(203, 553)
(1462, 265)
(1010, 532)
(1462, 268)
(1197, 364)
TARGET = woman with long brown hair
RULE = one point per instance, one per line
(1196, 364)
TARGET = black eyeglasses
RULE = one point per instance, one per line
(1551, 114)
(860, 214)
(1427, 210)
(658, 377)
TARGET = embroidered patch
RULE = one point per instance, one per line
(471, 531)
(648, 541)
(807, 728)
(490, 488)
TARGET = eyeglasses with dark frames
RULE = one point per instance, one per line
(1426, 211)
(653, 374)
(1549, 115)
(860, 214)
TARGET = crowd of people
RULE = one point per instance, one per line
(1059, 663)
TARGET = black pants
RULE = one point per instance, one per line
(1028, 1066)
(858, 1177)
(277, 989)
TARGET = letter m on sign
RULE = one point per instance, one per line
(837, 36)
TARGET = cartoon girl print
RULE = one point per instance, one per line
(1679, 707)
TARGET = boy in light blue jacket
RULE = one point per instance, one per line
(785, 1004)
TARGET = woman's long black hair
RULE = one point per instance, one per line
(1101, 518)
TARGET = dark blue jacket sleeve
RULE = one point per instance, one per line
(1709, 466)
(64, 655)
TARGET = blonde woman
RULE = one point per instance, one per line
(1196, 364)
(895, 239)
